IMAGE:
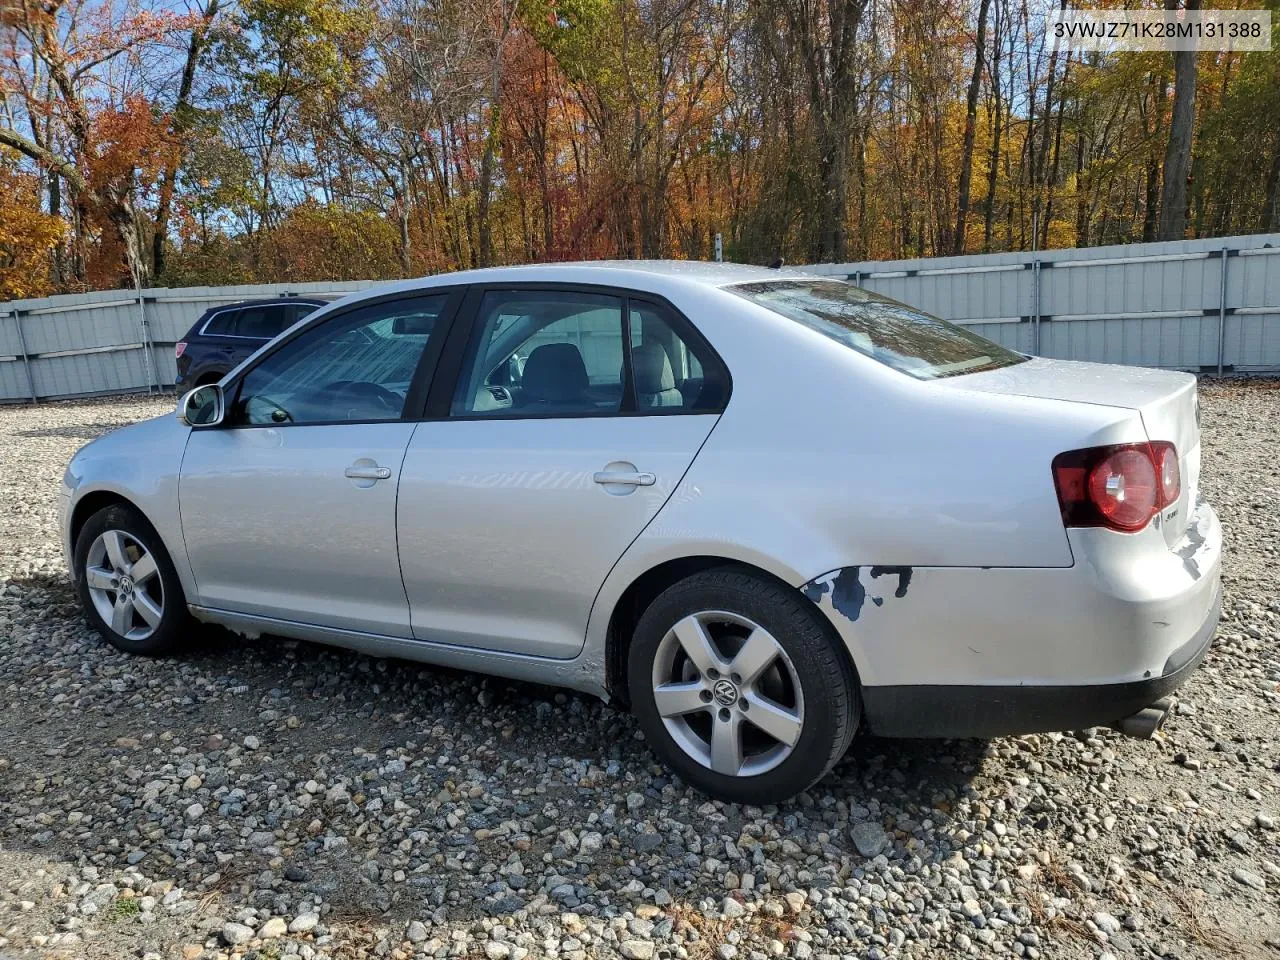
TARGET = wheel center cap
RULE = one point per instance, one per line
(725, 692)
(126, 586)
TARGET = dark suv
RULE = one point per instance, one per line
(225, 335)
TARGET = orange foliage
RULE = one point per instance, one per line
(130, 142)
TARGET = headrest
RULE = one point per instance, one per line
(652, 368)
(554, 373)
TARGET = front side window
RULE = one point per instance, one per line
(543, 353)
(899, 336)
(354, 367)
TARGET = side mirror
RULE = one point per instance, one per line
(203, 406)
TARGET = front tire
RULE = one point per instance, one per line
(741, 687)
(127, 584)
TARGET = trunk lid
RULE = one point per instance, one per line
(1166, 400)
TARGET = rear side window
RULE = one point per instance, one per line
(670, 370)
(899, 336)
(260, 323)
(300, 310)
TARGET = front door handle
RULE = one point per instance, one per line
(631, 479)
(365, 472)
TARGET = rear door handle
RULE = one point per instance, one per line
(630, 479)
(367, 473)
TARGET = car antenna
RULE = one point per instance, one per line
(777, 264)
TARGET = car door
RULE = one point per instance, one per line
(288, 507)
(564, 434)
(218, 343)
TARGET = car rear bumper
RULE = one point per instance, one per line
(995, 711)
(965, 651)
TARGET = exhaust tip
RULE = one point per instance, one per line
(1144, 724)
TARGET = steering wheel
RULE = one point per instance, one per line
(374, 391)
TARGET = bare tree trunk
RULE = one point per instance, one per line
(970, 121)
(181, 111)
(1177, 156)
(993, 171)
(119, 209)
(1150, 220)
(1271, 203)
(1082, 193)
(1051, 180)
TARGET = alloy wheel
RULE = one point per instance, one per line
(124, 584)
(728, 693)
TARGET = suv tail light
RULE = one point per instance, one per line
(178, 349)
(1120, 487)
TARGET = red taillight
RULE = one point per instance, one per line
(178, 349)
(1121, 487)
(1170, 474)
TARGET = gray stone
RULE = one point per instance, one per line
(1248, 878)
(1106, 923)
(234, 934)
(870, 838)
(304, 922)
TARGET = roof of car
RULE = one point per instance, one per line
(701, 271)
(267, 302)
(605, 272)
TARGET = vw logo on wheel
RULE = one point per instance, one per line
(126, 586)
(725, 692)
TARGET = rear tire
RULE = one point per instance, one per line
(741, 687)
(127, 584)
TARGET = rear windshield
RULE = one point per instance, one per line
(893, 333)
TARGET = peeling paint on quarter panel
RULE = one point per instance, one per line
(904, 578)
(844, 593)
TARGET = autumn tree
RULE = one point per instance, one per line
(205, 141)
(27, 235)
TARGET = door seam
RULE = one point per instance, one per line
(404, 455)
(674, 487)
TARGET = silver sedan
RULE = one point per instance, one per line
(762, 509)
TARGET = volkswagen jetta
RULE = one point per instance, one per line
(761, 508)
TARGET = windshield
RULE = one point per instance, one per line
(893, 333)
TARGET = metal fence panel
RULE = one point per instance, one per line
(106, 342)
(1155, 304)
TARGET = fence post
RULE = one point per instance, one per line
(1035, 303)
(1222, 311)
(26, 359)
(148, 353)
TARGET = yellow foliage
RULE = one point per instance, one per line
(26, 237)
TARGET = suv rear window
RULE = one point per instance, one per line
(899, 336)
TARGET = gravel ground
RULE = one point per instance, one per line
(276, 800)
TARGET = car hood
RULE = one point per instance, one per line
(154, 441)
